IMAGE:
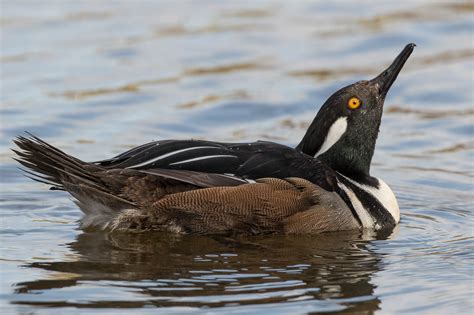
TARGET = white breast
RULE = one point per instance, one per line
(364, 216)
(383, 194)
(386, 197)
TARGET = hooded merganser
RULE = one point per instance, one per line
(207, 187)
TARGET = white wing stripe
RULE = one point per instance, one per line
(169, 154)
(247, 180)
(204, 158)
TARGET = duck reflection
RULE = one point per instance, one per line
(183, 270)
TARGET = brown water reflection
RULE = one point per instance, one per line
(175, 270)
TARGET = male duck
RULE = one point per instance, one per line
(239, 188)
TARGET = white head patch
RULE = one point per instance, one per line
(335, 133)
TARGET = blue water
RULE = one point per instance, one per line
(98, 78)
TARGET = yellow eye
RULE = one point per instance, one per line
(354, 103)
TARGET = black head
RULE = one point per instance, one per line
(345, 130)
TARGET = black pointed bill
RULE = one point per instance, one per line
(387, 77)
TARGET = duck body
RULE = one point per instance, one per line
(206, 187)
(277, 190)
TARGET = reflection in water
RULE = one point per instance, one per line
(330, 271)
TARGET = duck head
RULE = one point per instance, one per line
(345, 130)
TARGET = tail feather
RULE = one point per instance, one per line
(39, 178)
(48, 164)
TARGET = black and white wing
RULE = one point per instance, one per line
(244, 160)
(194, 155)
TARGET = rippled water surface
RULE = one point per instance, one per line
(97, 78)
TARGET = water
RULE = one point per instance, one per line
(97, 78)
